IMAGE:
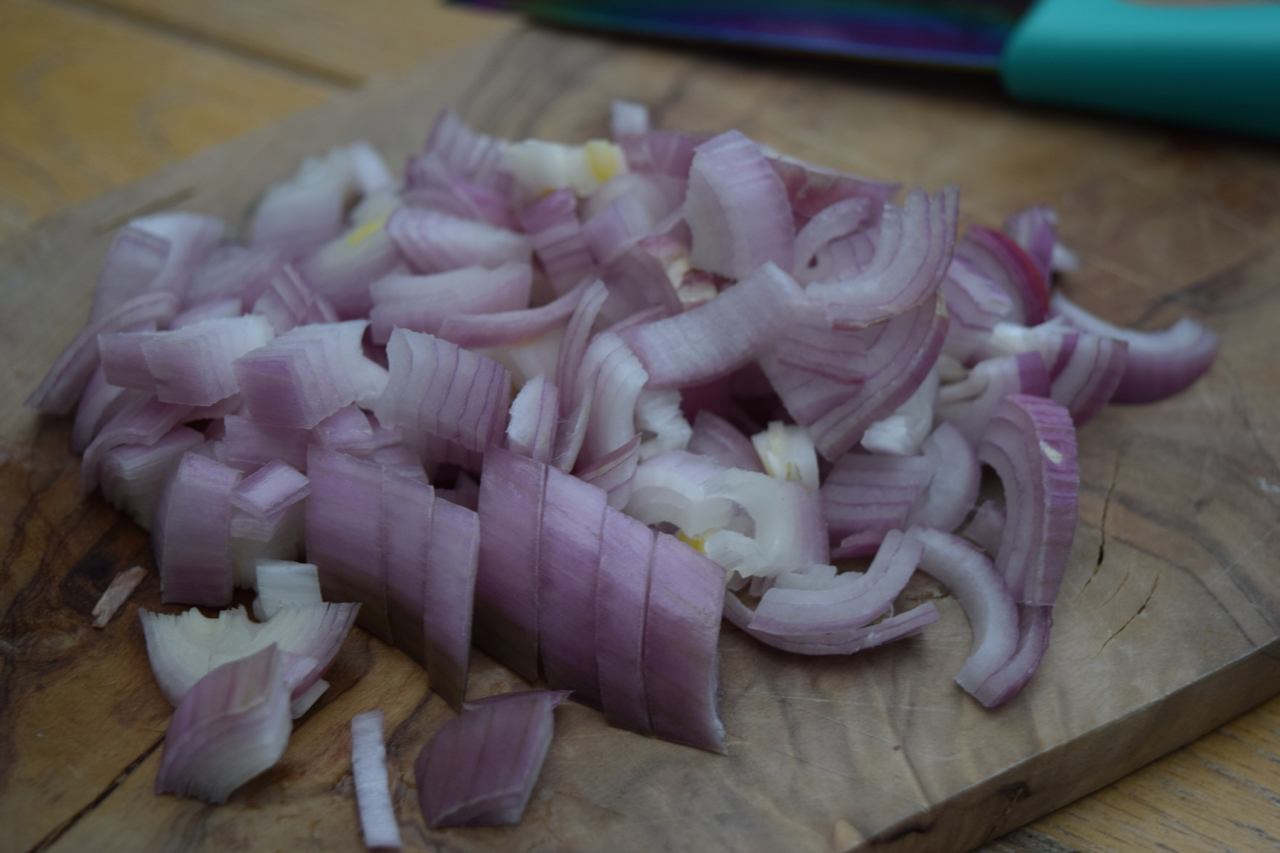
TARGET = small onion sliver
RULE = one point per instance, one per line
(369, 770)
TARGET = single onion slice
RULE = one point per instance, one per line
(910, 261)
(1160, 364)
(671, 487)
(100, 402)
(479, 768)
(63, 385)
(1034, 622)
(134, 475)
(306, 210)
(437, 242)
(720, 336)
(143, 420)
(248, 445)
(614, 472)
(475, 156)
(983, 594)
(407, 509)
(284, 582)
(235, 271)
(867, 492)
(1004, 262)
(986, 528)
(191, 365)
(373, 791)
(975, 304)
(287, 301)
(133, 263)
(193, 533)
(448, 594)
(533, 419)
(971, 403)
(812, 189)
(681, 632)
(506, 592)
(789, 527)
(1031, 444)
(1093, 369)
(218, 309)
(837, 220)
(638, 281)
(422, 303)
(660, 420)
(568, 563)
(231, 726)
(953, 488)
(622, 597)
(715, 437)
(116, 594)
(266, 519)
(1035, 231)
(342, 269)
(787, 453)
(831, 614)
(555, 233)
(896, 627)
(737, 209)
(183, 648)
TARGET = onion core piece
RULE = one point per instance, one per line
(369, 768)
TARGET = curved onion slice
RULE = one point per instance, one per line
(1031, 444)
(479, 768)
(369, 770)
(622, 600)
(1160, 364)
(953, 488)
(1004, 262)
(232, 725)
(1034, 622)
(982, 593)
(886, 630)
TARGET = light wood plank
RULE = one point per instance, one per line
(88, 104)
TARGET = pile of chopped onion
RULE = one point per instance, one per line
(578, 404)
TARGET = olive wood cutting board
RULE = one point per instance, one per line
(1168, 619)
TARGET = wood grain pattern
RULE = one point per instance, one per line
(88, 104)
(1100, 175)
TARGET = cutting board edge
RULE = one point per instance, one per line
(1014, 794)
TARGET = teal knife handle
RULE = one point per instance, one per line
(1208, 65)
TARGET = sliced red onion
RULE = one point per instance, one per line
(671, 487)
(116, 594)
(986, 528)
(638, 281)
(373, 791)
(133, 263)
(789, 527)
(472, 155)
(368, 169)
(349, 430)
(666, 152)
(971, 403)
(66, 380)
(344, 534)
(301, 377)
(183, 648)
(660, 419)
(622, 595)
(552, 226)
(837, 220)
(284, 582)
(143, 421)
(248, 446)
(573, 349)
(479, 768)
(953, 486)
(287, 301)
(896, 627)
(1034, 623)
(440, 389)
(812, 189)
(433, 183)
(1093, 369)
(829, 615)
(983, 594)
(437, 242)
(1160, 364)
(902, 432)
(241, 272)
(910, 262)
(407, 510)
(193, 533)
(506, 608)
(737, 208)
(304, 211)
(1004, 262)
(191, 365)
(568, 562)
(975, 304)
(425, 303)
(867, 492)
(134, 475)
(218, 309)
(450, 586)
(477, 331)
(714, 436)
(191, 237)
(627, 118)
(614, 472)
(1030, 442)
(612, 378)
(681, 632)
(100, 402)
(627, 209)
(1034, 229)
(534, 416)
(714, 339)
(231, 726)
(786, 452)
(266, 519)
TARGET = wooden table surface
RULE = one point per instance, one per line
(95, 94)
